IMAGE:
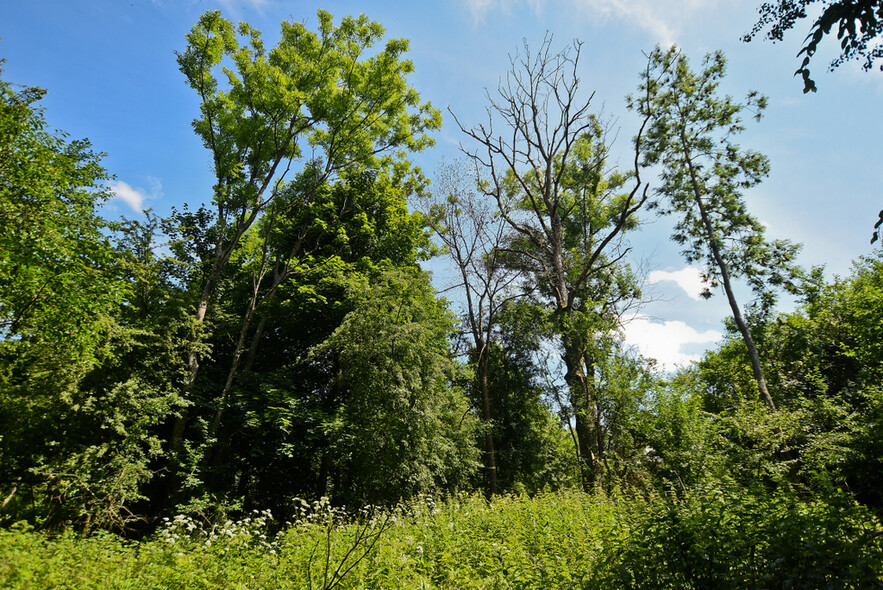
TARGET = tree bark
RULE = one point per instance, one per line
(584, 411)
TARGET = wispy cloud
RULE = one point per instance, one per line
(663, 19)
(134, 197)
(664, 341)
(689, 279)
(235, 7)
(480, 9)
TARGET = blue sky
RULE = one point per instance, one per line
(110, 69)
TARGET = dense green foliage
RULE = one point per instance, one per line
(272, 240)
(72, 446)
(825, 368)
(229, 357)
(713, 538)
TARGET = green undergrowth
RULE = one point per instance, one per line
(711, 538)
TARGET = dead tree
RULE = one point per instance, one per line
(545, 156)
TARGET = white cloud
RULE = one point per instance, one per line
(664, 19)
(689, 279)
(537, 5)
(663, 340)
(134, 197)
(651, 15)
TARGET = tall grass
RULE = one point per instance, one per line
(714, 538)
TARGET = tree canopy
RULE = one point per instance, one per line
(703, 175)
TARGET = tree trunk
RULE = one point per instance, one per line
(234, 364)
(176, 440)
(584, 411)
(724, 269)
(280, 273)
(490, 456)
(255, 342)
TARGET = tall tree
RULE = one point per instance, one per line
(546, 171)
(859, 26)
(54, 255)
(77, 422)
(473, 237)
(703, 175)
(321, 94)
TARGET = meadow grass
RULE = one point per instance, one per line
(555, 540)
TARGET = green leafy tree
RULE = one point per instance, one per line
(54, 257)
(859, 25)
(703, 176)
(322, 93)
(78, 422)
(402, 427)
(679, 433)
(317, 90)
(626, 381)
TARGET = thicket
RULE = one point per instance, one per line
(710, 538)
(170, 388)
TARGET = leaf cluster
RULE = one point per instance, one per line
(859, 24)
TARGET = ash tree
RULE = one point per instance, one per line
(319, 102)
(703, 176)
(545, 157)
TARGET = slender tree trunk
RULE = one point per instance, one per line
(176, 440)
(490, 455)
(723, 267)
(280, 273)
(11, 494)
(221, 257)
(234, 367)
(255, 342)
(237, 357)
(600, 432)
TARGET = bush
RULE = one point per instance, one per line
(727, 537)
